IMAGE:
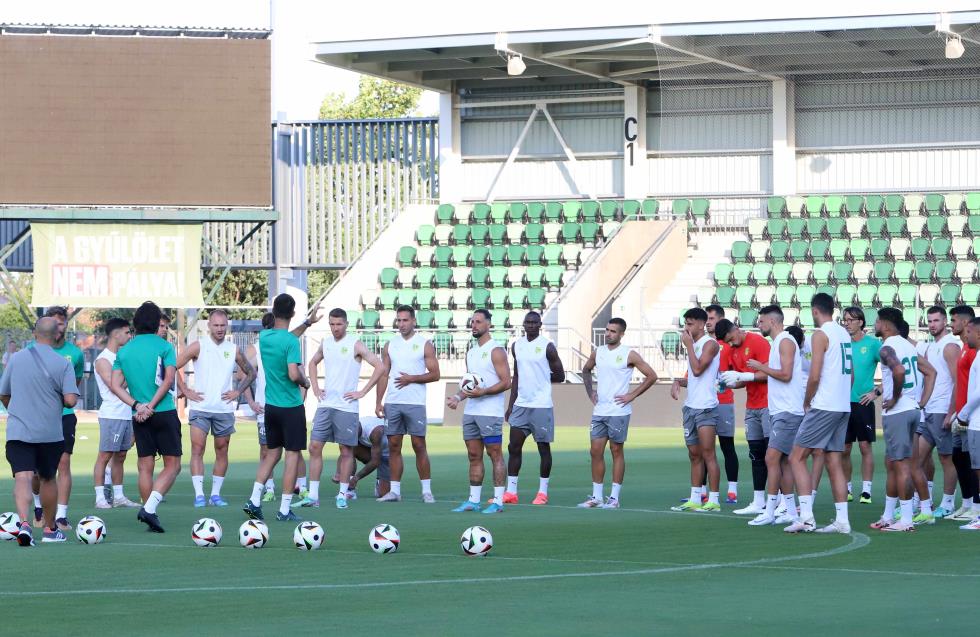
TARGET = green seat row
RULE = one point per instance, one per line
(462, 255)
(501, 234)
(872, 204)
(542, 212)
(857, 227)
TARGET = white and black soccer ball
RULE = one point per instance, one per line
(253, 534)
(469, 381)
(9, 525)
(206, 532)
(476, 541)
(308, 536)
(91, 530)
(384, 538)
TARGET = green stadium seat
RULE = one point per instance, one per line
(862, 271)
(761, 272)
(388, 299)
(553, 211)
(886, 294)
(516, 212)
(650, 208)
(859, 249)
(670, 344)
(781, 271)
(775, 228)
(590, 211)
(966, 271)
(794, 205)
(875, 226)
(552, 253)
(854, 204)
(814, 206)
(836, 228)
(370, 319)
(838, 249)
(724, 295)
(534, 275)
(873, 204)
(406, 296)
(498, 212)
(899, 248)
(480, 214)
(795, 228)
(535, 212)
(424, 299)
(515, 254)
(804, 293)
(879, 248)
(498, 298)
(776, 206)
(535, 297)
(801, 271)
(553, 275)
(785, 294)
(950, 294)
(478, 234)
(920, 248)
(632, 209)
(424, 276)
(498, 255)
(896, 226)
(759, 250)
(742, 272)
(907, 295)
(443, 342)
(758, 227)
(479, 297)
(479, 276)
(388, 277)
(973, 224)
(681, 208)
(446, 213)
(609, 210)
(884, 271)
(842, 271)
(517, 297)
(821, 272)
(834, 205)
(497, 277)
(939, 248)
(798, 250)
(424, 318)
(828, 289)
(571, 254)
(866, 293)
(894, 204)
(700, 209)
(815, 227)
(590, 232)
(425, 235)
(778, 250)
(443, 256)
(870, 315)
(845, 294)
(972, 202)
(498, 233)
(461, 233)
(533, 233)
(970, 294)
(479, 255)
(740, 251)
(924, 270)
(747, 317)
(570, 232)
(904, 271)
(819, 250)
(936, 225)
(534, 254)
(406, 256)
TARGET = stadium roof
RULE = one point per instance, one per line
(627, 55)
(146, 31)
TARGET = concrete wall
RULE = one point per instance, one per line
(655, 274)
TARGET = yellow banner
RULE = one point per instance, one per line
(116, 265)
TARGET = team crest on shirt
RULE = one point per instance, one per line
(415, 347)
(227, 354)
(864, 350)
(746, 351)
(343, 350)
(619, 359)
(486, 354)
(537, 350)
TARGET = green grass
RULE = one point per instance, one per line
(553, 570)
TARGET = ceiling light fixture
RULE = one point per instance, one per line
(516, 65)
(954, 46)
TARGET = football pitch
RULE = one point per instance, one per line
(553, 570)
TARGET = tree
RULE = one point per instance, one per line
(375, 99)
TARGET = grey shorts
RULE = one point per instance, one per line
(694, 419)
(932, 430)
(115, 435)
(972, 440)
(782, 435)
(261, 427)
(726, 420)
(335, 425)
(537, 421)
(899, 430)
(476, 427)
(384, 470)
(615, 428)
(821, 429)
(405, 419)
(218, 425)
(757, 425)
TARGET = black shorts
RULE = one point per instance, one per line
(158, 434)
(285, 427)
(861, 424)
(42, 457)
(68, 424)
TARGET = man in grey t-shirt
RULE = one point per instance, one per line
(36, 385)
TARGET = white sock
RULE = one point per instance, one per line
(301, 483)
(475, 493)
(771, 502)
(702, 491)
(949, 501)
(198, 482)
(806, 507)
(929, 484)
(790, 502)
(543, 485)
(396, 487)
(733, 488)
(343, 489)
(906, 508)
(256, 498)
(287, 499)
(841, 508)
(511, 484)
(314, 489)
(866, 487)
(62, 512)
(759, 499)
(107, 478)
(498, 495)
(975, 506)
(849, 488)
(915, 501)
(615, 491)
(270, 485)
(99, 494)
(925, 506)
(117, 491)
(813, 494)
(216, 482)
(37, 501)
(890, 504)
(153, 502)
(695, 494)
(597, 490)
(713, 497)
(426, 486)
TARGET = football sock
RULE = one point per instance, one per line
(343, 488)
(733, 488)
(925, 506)
(615, 491)
(929, 484)
(771, 502)
(949, 501)
(396, 487)
(62, 512)
(37, 501)
(806, 507)
(301, 483)
(906, 508)
(314, 490)
(117, 491)
(849, 489)
(511, 484)
(498, 495)
(790, 502)
(543, 485)
(270, 485)
(426, 486)
(713, 497)
(866, 487)
(890, 504)
(287, 499)
(813, 494)
(198, 482)
(841, 508)
(107, 478)
(757, 454)
(475, 493)
(915, 500)
(153, 502)
(695, 494)
(216, 482)
(759, 498)
(256, 498)
(100, 494)
(597, 490)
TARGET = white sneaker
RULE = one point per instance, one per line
(762, 520)
(428, 498)
(802, 526)
(611, 503)
(835, 527)
(971, 526)
(591, 503)
(125, 502)
(752, 509)
(898, 526)
(964, 513)
(352, 495)
(785, 518)
(391, 496)
(780, 509)
(102, 504)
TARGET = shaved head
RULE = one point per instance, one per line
(46, 330)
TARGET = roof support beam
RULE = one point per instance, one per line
(655, 38)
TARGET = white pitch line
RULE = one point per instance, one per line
(858, 541)
(859, 571)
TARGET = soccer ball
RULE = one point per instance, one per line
(470, 381)
(384, 538)
(253, 534)
(206, 532)
(90, 530)
(9, 525)
(308, 536)
(476, 541)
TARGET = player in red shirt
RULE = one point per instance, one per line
(746, 346)
(959, 318)
(726, 408)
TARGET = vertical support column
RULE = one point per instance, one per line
(636, 177)
(783, 137)
(450, 153)
(289, 233)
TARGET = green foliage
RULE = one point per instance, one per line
(375, 99)
(318, 281)
(11, 319)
